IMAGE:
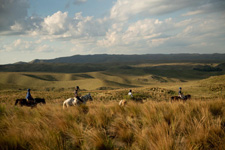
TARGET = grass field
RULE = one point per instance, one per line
(103, 124)
(115, 77)
(156, 124)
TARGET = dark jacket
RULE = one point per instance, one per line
(76, 95)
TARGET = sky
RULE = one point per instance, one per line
(46, 29)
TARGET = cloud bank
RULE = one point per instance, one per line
(131, 27)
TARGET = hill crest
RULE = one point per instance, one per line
(149, 58)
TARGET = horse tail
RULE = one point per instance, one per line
(16, 102)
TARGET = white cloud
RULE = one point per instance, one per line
(126, 9)
(16, 27)
(138, 33)
(190, 13)
(150, 35)
(55, 24)
(61, 26)
(24, 45)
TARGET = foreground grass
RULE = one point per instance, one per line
(100, 125)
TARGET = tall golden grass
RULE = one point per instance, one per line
(103, 124)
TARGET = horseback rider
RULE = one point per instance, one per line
(29, 98)
(130, 94)
(180, 94)
(76, 94)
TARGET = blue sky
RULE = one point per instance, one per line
(45, 29)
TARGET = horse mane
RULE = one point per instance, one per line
(86, 96)
(40, 100)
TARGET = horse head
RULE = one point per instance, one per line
(90, 97)
(40, 100)
(86, 97)
(43, 101)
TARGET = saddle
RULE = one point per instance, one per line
(78, 99)
(31, 101)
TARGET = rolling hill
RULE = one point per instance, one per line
(102, 72)
(110, 77)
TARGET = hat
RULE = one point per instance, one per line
(180, 88)
(28, 89)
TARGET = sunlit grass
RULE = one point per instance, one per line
(195, 124)
(154, 124)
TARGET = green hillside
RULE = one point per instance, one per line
(105, 76)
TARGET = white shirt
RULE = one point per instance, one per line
(130, 94)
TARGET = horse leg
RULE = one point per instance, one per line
(64, 104)
(16, 102)
(32, 106)
(120, 103)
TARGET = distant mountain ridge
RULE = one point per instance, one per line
(147, 58)
(114, 63)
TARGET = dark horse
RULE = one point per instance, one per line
(31, 103)
(177, 98)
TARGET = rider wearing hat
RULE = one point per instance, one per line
(180, 94)
(76, 94)
(29, 97)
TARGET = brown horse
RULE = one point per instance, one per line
(24, 102)
(30, 103)
(177, 98)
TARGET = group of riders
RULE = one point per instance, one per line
(180, 93)
(29, 98)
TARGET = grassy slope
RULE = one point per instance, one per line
(116, 76)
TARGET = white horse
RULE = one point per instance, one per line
(123, 102)
(74, 101)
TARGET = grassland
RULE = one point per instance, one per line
(103, 124)
(156, 124)
(114, 77)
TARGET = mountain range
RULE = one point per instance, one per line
(147, 58)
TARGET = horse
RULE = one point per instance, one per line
(176, 98)
(75, 101)
(33, 103)
(122, 102)
(24, 102)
